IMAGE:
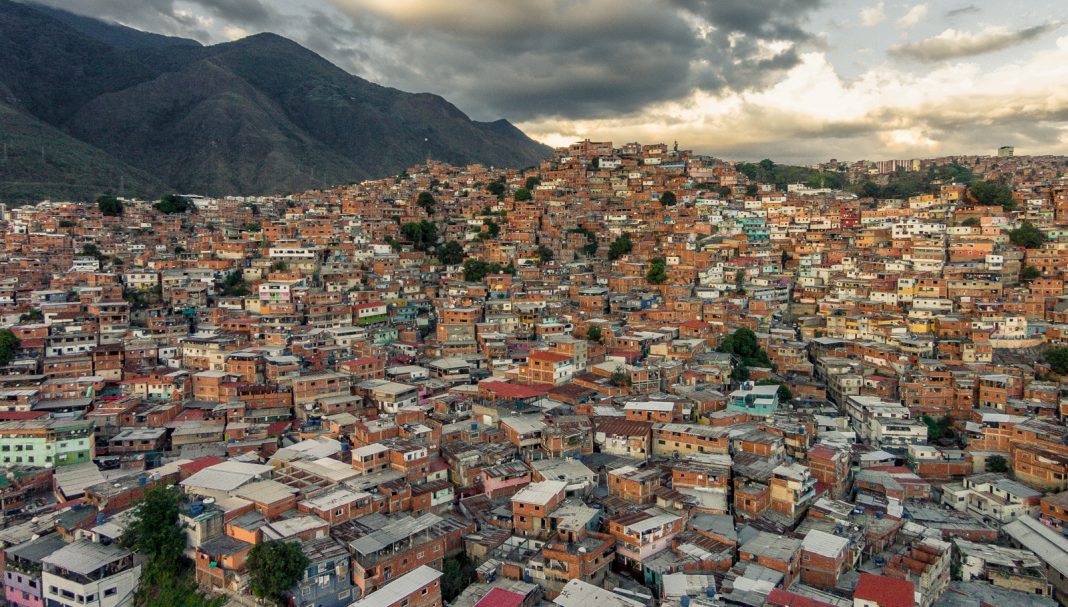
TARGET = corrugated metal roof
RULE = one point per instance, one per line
(394, 532)
(399, 588)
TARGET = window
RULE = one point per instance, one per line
(111, 591)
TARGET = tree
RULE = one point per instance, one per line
(870, 189)
(1029, 273)
(254, 226)
(657, 273)
(785, 394)
(234, 285)
(1027, 236)
(743, 345)
(34, 315)
(456, 574)
(992, 193)
(620, 247)
(1057, 359)
(997, 463)
(172, 204)
(824, 179)
(545, 253)
(422, 235)
(594, 334)
(938, 428)
(532, 182)
(8, 345)
(476, 269)
(274, 568)
(496, 188)
(739, 281)
(91, 250)
(725, 191)
(109, 205)
(668, 199)
(426, 201)
(971, 222)
(740, 373)
(154, 532)
(451, 254)
(522, 194)
(620, 379)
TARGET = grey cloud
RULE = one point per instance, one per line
(953, 45)
(605, 63)
(520, 59)
(765, 18)
(159, 16)
(964, 10)
(243, 13)
(1033, 128)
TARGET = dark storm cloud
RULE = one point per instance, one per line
(774, 19)
(952, 44)
(964, 10)
(243, 13)
(521, 59)
(531, 59)
(189, 18)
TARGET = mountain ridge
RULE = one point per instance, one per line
(255, 116)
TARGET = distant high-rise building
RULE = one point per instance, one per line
(1006, 151)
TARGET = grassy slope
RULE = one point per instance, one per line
(68, 168)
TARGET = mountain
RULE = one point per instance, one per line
(259, 115)
(39, 161)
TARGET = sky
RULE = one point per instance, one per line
(791, 80)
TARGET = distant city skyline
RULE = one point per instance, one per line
(791, 80)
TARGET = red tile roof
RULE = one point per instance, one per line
(199, 464)
(782, 598)
(12, 416)
(276, 428)
(507, 390)
(551, 357)
(499, 597)
(885, 591)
